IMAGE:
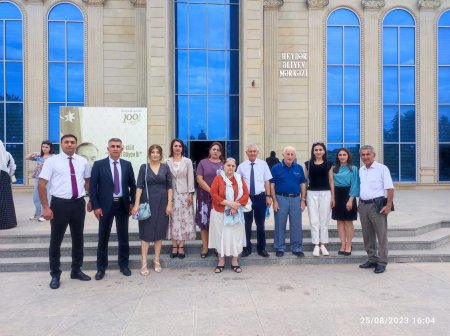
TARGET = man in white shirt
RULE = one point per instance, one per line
(69, 175)
(374, 207)
(256, 174)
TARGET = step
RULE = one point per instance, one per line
(428, 240)
(440, 254)
(414, 230)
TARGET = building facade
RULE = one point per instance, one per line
(270, 72)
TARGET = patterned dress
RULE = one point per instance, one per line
(208, 170)
(181, 224)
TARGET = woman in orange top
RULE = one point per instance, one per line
(229, 194)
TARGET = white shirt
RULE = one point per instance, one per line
(119, 168)
(56, 170)
(261, 171)
(374, 181)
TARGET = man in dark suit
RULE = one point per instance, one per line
(112, 194)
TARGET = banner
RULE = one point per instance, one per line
(94, 126)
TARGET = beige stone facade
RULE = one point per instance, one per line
(130, 62)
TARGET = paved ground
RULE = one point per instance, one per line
(408, 299)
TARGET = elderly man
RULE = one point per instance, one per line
(376, 183)
(288, 191)
(256, 174)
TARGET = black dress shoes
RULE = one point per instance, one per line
(99, 275)
(263, 253)
(80, 276)
(368, 264)
(54, 283)
(299, 254)
(279, 253)
(245, 253)
(379, 269)
(125, 271)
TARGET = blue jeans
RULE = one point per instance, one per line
(37, 200)
(288, 206)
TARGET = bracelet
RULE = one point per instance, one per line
(268, 196)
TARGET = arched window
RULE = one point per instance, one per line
(207, 71)
(343, 82)
(399, 95)
(65, 62)
(443, 54)
(11, 83)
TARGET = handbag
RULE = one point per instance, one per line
(144, 208)
(248, 206)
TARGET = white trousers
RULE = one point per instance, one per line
(319, 212)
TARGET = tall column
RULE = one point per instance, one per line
(141, 52)
(427, 127)
(35, 121)
(371, 105)
(316, 115)
(159, 72)
(270, 73)
(252, 78)
(95, 76)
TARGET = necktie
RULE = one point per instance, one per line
(116, 179)
(252, 180)
(73, 179)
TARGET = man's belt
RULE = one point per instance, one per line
(370, 201)
(256, 195)
(117, 199)
(287, 195)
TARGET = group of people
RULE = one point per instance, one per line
(229, 198)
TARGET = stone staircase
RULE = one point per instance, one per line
(418, 243)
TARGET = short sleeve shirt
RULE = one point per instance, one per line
(374, 181)
(287, 179)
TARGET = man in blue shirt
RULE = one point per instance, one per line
(288, 192)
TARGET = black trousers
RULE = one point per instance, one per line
(118, 212)
(66, 212)
(259, 213)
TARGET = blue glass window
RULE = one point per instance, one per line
(399, 95)
(207, 71)
(443, 85)
(11, 83)
(65, 62)
(343, 82)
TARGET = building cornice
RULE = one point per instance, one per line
(429, 4)
(317, 4)
(139, 3)
(95, 3)
(373, 4)
(273, 4)
(35, 1)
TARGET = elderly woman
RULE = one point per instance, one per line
(207, 170)
(227, 225)
(7, 211)
(154, 180)
(181, 224)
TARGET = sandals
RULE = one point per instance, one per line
(172, 254)
(219, 269)
(157, 266)
(144, 270)
(181, 255)
(236, 268)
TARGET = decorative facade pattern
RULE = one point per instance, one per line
(317, 3)
(373, 4)
(273, 3)
(139, 3)
(431, 4)
(94, 2)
